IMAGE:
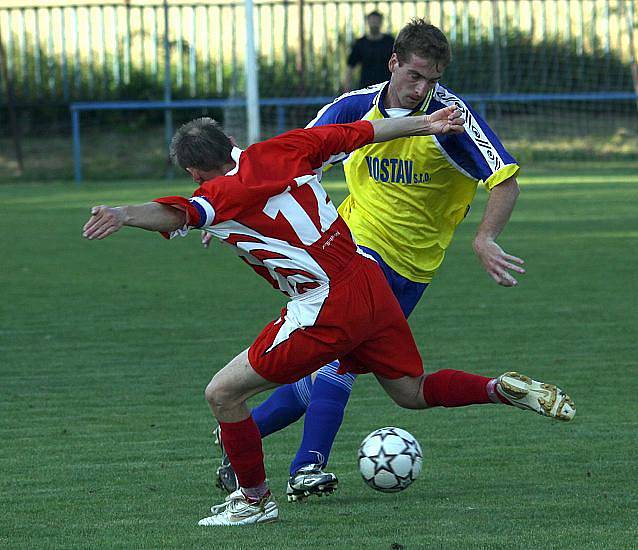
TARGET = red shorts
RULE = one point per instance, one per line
(356, 319)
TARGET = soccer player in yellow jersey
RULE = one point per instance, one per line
(407, 197)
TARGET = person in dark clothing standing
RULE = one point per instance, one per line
(372, 52)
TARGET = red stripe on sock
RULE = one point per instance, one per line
(242, 442)
(455, 388)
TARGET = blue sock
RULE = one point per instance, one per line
(324, 415)
(284, 406)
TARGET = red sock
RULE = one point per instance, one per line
(242, 442)
(455, 388)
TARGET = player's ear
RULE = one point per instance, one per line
(194, 173)
(233, 141)
(393, 62)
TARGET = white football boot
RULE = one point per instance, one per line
(525, 393)
(238, 510)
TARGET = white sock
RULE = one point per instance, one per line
(491, 391)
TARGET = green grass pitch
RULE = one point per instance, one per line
(106, 347)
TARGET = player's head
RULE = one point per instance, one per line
(421, 53)
(375, 21)
(201, 148)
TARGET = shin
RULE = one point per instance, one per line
(226, 395)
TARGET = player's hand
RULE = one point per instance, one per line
(104, 221)
(497, 262)
(206, 238)
(446, 121)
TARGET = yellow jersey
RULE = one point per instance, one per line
(407, 196)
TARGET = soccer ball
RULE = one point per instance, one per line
(390, 459)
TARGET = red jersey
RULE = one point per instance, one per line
(272, 208)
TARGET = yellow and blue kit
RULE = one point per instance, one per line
(407, 196)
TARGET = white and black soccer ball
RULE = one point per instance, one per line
(390, 459)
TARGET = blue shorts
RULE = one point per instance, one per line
(407, 292)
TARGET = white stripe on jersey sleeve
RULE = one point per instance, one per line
(208, 209)
(472, 129)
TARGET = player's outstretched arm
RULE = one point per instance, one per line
(105, 220)
(498, 263)
(444, 121)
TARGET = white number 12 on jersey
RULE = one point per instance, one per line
(297, 217)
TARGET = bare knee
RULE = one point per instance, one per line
(232, 386)
(221, 396)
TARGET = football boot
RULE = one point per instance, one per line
(237, 509)
(310, 480)
(545, 399)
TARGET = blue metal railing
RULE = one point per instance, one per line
(280, 103)
(480, 102)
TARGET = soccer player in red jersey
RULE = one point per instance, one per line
(268, 203)
(406, 199)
